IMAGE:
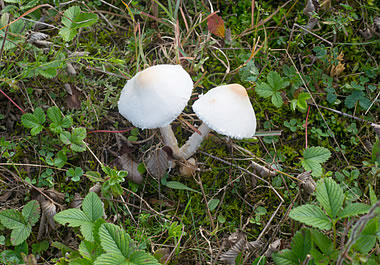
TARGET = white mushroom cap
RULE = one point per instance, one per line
(154, 97)
(227, 110)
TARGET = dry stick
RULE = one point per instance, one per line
(307, 118)
(312, 98)
(373, 102)
(344, 114)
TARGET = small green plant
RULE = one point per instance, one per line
(73, 19)
(312, 159)
(103, 243)
(326, 216)
(20, 222)
(272, 88)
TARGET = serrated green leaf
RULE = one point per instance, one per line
(111, 259)
(68, 34)
(115, 240)
(20, 234)
(31, 212)
(264, 90)
(69, 15)
(54, 114)
(367, 238)
(67, 121)
(276, 81)
(60, 159)
(330, 195)
(34, 121)
(92, 206)
(84, 20)
(277, 99)
(354, 209)
(322, 241)
(48, 72)
(301, 244)
(74, 217)
(90, 250)
(179, 186)
(302, 100)
(285, 257)
(65, 137)
(313, 157)
(12, 219)
(311, 215)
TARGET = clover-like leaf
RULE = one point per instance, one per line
(272, 88)
(74, 139)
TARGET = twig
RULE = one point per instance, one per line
(356, 231)
(307, 118)
(11, 100)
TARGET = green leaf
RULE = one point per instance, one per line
(313, 157)
(92, 206)
(213, 203)
(285, 257)
(120, 248)
(301, 244)
(277, 99)
(54, 114)
(354, 209)
(115, 241)
(276, 81)
(12, 219)
(74, 217)
(84, 20)
(34, 121)
(69, 15)
(31, 212)
(75, 174)
(179, 186)
(68, 34)
(367, 238)
(330, 195)
(90, 250)
(302, 100)
(20, 234)
(264, 90)
(75, 139)
(311, 215)
(60, 159)
(322, 241)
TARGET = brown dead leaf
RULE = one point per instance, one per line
(4, 197)
(124, 162)
(157, 163)
(273, 247)
(76, 202)
(215, 25)
(73, 101)
(307, 184)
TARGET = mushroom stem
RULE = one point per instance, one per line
(195, 140)
(169, 139)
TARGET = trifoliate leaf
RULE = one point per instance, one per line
(34, 121)
(311, 215)
(313, 157)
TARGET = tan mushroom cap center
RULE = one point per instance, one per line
(146, 77)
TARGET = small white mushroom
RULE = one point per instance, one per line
(154, 97)
(226, 110)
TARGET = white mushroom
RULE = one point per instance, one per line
(226, 110)
(154, 97)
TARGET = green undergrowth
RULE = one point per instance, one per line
(63, 143)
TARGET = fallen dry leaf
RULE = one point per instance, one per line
(157, 163)
(124, 162)
(73, 101)
(215, 25)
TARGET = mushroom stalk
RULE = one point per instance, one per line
(170, 139)
(195, 140)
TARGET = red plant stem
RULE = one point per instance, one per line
(108, 131)
(11, 100)
(307, 117)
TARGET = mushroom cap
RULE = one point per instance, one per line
(227, 110)
(154, 97)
